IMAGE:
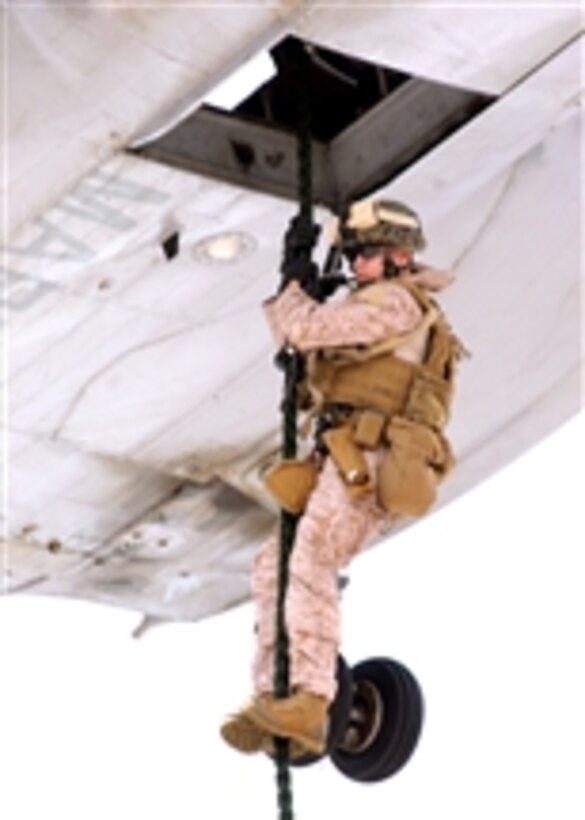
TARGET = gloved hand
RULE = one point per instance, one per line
(319, 288)
(299, 241)
(303, 271)
(322, 287)
(301, 237)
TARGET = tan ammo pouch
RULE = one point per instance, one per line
(368, 429)
(349, 459)
(291, 482)
(411, 469)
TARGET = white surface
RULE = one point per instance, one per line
(469, 43)
(80, 83)
(483, 601)
(124, 366)
(83, 82)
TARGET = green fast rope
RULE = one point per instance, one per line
(288, 522)
(288, 525)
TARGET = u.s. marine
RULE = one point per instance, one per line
(380, 367)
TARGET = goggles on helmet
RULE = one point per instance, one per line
(366, 249)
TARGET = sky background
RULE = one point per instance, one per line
(483, 600)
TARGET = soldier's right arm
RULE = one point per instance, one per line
(297, 320)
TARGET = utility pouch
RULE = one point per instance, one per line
(408, 476)
(348, 457)
(368, 428)
(291, 482)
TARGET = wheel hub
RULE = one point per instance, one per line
(365, 718)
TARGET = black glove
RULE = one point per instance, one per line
(299, 241)
(319, 288)
(322, 287)
(302, 271)
(301, 237)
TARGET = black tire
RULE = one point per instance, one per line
(338, 714)
(385, 722)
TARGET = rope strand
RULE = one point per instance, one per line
(288, 522)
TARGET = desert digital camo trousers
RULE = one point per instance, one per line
(333, 528)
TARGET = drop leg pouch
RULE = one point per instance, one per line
(407, 477)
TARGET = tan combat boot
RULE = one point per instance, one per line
(302, 717)
(241, 733)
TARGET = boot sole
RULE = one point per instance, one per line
(251, 738)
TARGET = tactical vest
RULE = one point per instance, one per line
(375, 378)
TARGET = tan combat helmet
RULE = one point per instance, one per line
(381, 222)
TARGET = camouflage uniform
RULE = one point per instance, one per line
(335, 526)
(337, 522)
